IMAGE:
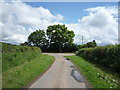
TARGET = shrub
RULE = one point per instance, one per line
(108, 56)
(15, 55)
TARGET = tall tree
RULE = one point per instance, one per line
(59, 36)
(38, 38)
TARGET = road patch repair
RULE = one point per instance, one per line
(62, 74)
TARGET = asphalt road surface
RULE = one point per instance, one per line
(62, 74)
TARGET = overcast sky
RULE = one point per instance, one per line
(94, 21)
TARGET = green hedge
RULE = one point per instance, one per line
(6, 48)
(108, 56)
(15, 55)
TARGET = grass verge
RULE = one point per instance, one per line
(22, 74)
(96, 77)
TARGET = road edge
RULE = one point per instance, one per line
(38, 77)
(87, 83)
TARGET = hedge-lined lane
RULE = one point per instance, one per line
(108, 56)
(97, 77)
(22, 64)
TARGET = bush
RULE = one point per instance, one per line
(88, 45)
(15, 55)
(108, 56)
(17, 48)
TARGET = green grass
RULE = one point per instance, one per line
(14, 55)
(13, 59)
(107, 56)
(22, 64)
(0, 69)
(96, 77)
(21, 75)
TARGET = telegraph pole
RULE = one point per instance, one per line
(82, 40)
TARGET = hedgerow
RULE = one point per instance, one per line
(108, 56)
(15, 55)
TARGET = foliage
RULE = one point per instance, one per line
(59, 36)
(56, 39)
(23, 74)
(98, 77)
(37, 38)
(7, 48)
(26, 44)
(70, 48)
(88, 45)
(22, 64)
(108, 56)
(15, 55)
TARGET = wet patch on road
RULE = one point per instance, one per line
(72, 66)
(67, 59)
(75, 73)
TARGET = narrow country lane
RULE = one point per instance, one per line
(62, 74)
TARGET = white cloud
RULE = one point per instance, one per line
(99, 25)
(20, 19)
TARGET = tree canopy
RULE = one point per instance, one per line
(37, 38)
(59, 36)
(56, 39)
(89, 45)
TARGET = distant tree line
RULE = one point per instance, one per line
(88, 45)
(57, 38)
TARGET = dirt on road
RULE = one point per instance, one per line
(62, 74)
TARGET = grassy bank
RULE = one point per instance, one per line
(22, 64)
(108, 56)
(97, 77)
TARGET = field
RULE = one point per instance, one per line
(22, 64)
(96, 75)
